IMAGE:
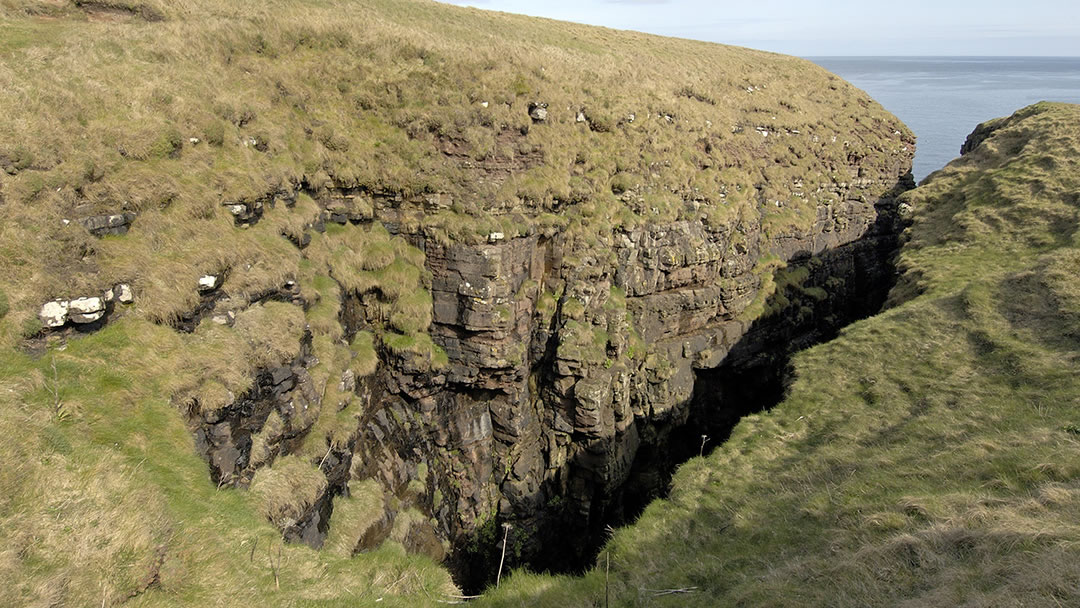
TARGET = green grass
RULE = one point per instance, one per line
(421, 109)
(369, 95)
(99, 502)
(927, 456)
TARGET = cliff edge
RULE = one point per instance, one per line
(379, 277)
(927, 456)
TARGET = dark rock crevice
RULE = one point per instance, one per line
(578, 377)
(562, 525)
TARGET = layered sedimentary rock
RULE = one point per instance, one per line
(566, 360)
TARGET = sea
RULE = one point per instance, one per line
(942, 99)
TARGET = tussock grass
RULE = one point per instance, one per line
(170, 109)
(365, 359)
(288, 489)
(354, 515)
(274, 331)
(427, 354)
(111, 500)
(928, 456)
(405, 97)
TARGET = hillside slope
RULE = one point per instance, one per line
(929, 456)
(373, 277)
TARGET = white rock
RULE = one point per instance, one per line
(54, 314)
(124, 293)
(109, 296)
(580, 117)
(538, 112)
(236, 208)
(208, 282)
(496, 236)
(484, 104)
(348, 381)
(86, 310)
(86, 305)
(87, 318)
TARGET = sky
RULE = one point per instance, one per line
(836, 27)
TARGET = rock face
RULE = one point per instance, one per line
(578, 374)
(568, 363)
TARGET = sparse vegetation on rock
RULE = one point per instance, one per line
(407, 273)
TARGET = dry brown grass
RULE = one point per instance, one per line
(369, 94)
(101, 105)
(288, 489)
(926, 457)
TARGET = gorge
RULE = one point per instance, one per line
(378, 300)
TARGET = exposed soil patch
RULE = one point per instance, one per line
(103, 10)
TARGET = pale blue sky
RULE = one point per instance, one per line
(837, 27)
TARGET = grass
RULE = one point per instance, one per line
(925, 457)
(354, 515)
(288, 489)
(369, 95)
(169, 110)
(273, 330)
(112, 501)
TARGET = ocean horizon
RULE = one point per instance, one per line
(943, 98)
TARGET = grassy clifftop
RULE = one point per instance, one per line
(929, 456)
(169, 110)
(189, 116)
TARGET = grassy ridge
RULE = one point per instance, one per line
(106, 111)
(928, 456)
(169, 109)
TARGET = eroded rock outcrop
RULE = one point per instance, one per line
(571, 365)
(567, 360)
(84, 311)
(109, 224)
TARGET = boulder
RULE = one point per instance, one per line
(208, 283)
(226, 318)
(124, 294)
(244, 212)
(54, 314)
(236, 209)
(538, 112)
(101, 225)
(86, 309)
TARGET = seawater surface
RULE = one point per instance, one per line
(942, 98)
